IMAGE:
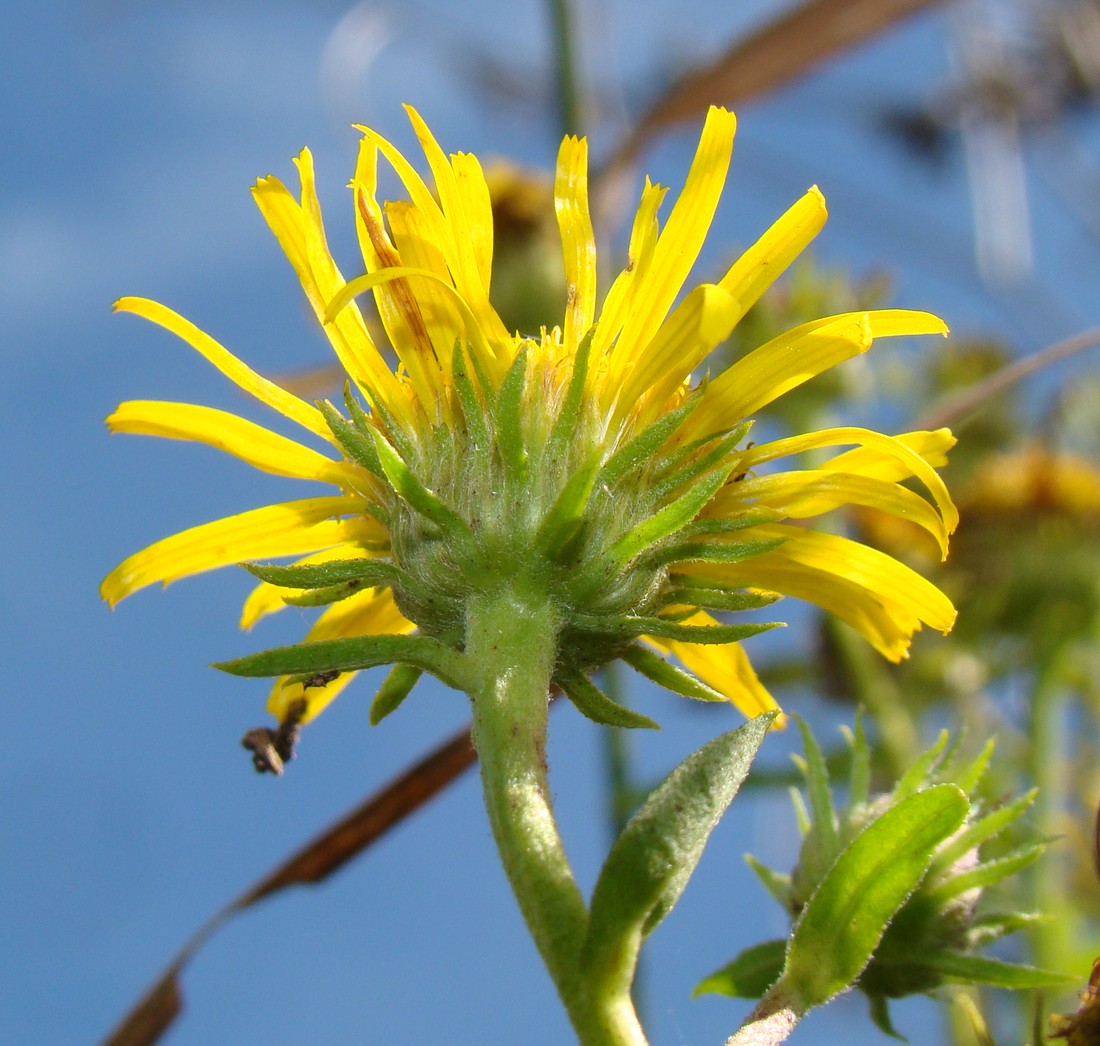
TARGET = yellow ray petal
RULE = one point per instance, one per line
(873, 447)
(477, 208)
(643, 240)
(763, 263)
(260, 447)
(869, 461)
(788, 360)
(286, 529)
(703, 319)
(680, 241)
(578, 242)
(301, 234)
(372, 612)
(286, 403)
(800, 495)
(883, 599)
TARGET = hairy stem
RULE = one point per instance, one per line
(771, 1022)
(511, 644)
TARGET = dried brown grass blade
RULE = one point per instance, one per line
(319, 858)
(957, 408)
(774, 55)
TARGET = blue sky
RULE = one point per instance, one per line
(132, 133)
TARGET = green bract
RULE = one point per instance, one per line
(885, 892)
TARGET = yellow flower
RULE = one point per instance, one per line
(585, 456)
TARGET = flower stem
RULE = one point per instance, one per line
(770, 1023)
(511, 644)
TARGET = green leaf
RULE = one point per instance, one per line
(652, 859)
(395, 688)
(655, 667)
(370, 572)
(978, 969)
(597, 706)
(843, 922)
(352, 654)
(751, 974)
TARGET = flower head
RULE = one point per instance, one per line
(583, 460)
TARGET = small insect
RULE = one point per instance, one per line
(273, 749)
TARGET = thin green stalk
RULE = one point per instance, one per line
(511, 644)
(571, 116)
(1048, 761)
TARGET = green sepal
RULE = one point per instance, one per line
(646, 443)
(916, 775)
(651, 861)
(629, 627)
(369, 572)
(962, 968)
(859, 773)
(395, 688)
(508, 416)
(417, 496)
(665, 523)
(668, 676)
(323, 597)
(968, 779)
(822, 814)
(718, 458)
(842, 923)
(986, 873)
(778, 884)
(351, 654)
(717, 526)
(597, 706)
(562, 519)
(565, 424)
(667, 468)
(735, 601)
(751, 974)
(880, 1014)
(473, 412)
(980, 830)
(354, 442)
(993, 926)
(395, 431)
(713, 551)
